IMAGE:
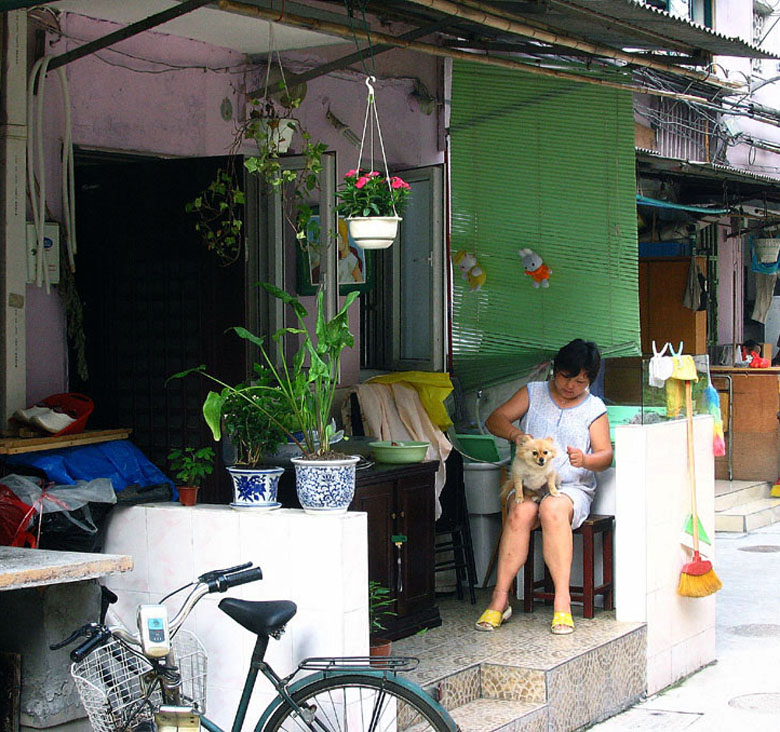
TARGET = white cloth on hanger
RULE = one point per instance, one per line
(660, 367)
(765, 288)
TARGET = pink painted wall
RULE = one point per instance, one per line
(121, 102)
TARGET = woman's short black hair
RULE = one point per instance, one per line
(577, 356)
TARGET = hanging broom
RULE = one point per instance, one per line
(697, 578)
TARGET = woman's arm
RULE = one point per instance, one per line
(501, 418)
(600, 456)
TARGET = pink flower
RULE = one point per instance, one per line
(372, 174)
(362, 181)
(396, 182)
(351, 174)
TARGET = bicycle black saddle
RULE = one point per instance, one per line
(261, 618)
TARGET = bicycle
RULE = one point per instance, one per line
(156, 678)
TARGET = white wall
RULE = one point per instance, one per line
(319, 562)
(653, 499)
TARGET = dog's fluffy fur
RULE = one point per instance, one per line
(532, 470)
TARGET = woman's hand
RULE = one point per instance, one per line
(576, 457)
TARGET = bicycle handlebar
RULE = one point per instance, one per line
(223, 582)
(218, 580)
(90, 645)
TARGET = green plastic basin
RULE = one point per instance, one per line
(399, 452)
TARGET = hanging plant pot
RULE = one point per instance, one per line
(767, 250)
(254, 487)
(276, 132)
(373, 232)
(325, 486)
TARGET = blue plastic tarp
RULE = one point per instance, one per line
(119, 460)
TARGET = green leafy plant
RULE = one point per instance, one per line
(379, 600)
(220, 215)
(294, 186)
(368, 193)
(220, 207)
(304, 390)
(252, 417)
(191, 465)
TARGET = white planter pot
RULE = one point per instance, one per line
(767, 249)
(254, 487)
(325, 486)
(373, 232)
(278, 132)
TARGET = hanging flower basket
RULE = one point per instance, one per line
(373, 232)
(369, 200)
(767, 250)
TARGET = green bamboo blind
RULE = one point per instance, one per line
(545, 164)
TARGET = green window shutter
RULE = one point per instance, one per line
(544, 164)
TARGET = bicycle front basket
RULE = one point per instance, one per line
(114, 691)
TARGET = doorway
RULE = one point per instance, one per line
(155, 302)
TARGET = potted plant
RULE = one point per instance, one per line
(220, 214)
(250, 416)
(220, 206)
(304, 391)
(191, 465)
(379, 602)
(371, 204)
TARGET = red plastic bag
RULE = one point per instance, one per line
(15, 519)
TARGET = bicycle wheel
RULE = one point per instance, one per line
(358, 702)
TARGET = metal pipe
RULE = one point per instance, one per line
(477, 13)
(343, 31)
(127, 32)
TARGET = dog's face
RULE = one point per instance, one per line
(537, 454)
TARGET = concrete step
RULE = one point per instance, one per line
(489, 715)
(734, 493)
(748, 516)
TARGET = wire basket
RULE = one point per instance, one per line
(113, 682)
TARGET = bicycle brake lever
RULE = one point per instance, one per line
(89, 630)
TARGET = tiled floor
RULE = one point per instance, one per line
(524, 641)
(521, 676)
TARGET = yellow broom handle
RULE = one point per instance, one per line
(691, 464)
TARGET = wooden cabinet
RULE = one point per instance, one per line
(662, 315)
(755, 435)
(399, 501)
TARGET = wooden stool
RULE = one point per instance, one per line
(592, 525)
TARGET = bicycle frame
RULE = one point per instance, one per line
(286, 691)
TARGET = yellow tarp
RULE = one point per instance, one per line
(433, 388)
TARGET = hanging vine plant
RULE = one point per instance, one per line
(270, 126)
(220, 211)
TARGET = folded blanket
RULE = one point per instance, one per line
(395, 412)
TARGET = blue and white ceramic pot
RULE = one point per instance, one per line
(254, 486)
(325, 486)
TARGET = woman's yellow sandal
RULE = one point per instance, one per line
(490, 620)
(562, 624)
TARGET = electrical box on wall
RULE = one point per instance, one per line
(51, 249)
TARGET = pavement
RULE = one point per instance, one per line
(741, 689)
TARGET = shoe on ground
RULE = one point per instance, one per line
(53, 422)
(491, 620)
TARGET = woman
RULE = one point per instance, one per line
(564, 409)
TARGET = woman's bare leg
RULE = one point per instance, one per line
(513, 548)
(555, 514)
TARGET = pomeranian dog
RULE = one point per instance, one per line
(532, 470)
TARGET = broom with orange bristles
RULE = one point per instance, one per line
(697, 578)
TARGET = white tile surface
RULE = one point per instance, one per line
(319, 562)
(124, 531)
(652, 502)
